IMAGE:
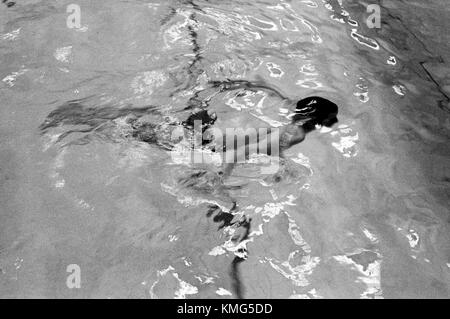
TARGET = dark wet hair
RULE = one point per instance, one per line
(315, 110)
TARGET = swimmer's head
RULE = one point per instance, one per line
(315, 110)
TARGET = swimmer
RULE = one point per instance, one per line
(309, 112)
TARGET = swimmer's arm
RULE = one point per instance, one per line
(243, 153)
(288, 136)
(291, 135)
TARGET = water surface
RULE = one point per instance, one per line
(361, 212)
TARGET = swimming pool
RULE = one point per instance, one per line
(361, 212)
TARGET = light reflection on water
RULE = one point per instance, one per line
(360, 210)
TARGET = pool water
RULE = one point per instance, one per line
(360, 210)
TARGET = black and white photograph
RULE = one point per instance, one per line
(225, 150)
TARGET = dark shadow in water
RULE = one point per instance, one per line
(193, 69)
(75, 113)
(235, 274)
(8, 3)
(227, 219)
(224, 218)
(79, 118)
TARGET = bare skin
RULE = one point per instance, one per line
(289, 136)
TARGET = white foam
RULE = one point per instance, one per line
(186, 262)
(274, 67)
(392, 60)
(12, 78)
(63, 54)
(184, 289)
(369, 235)
(159, 274)
(399, 89)
(205, 279)
(346, 145)
(223, 292)
(217, 251)
(371, 277)
(11, 35)
(413, 238)
(296, 274)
